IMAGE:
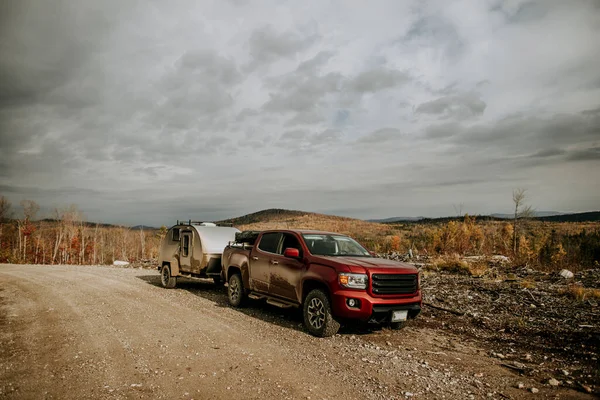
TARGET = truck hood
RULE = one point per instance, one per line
(360, 264)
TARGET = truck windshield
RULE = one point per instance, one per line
(334, 245)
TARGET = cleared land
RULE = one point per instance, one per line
(74, 332)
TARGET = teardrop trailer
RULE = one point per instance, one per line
(193, 249)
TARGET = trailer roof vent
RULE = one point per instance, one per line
(208, 224)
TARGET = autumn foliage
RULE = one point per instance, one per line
(66, 239)
(541, 245)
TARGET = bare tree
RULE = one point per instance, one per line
(5, 206)
(30, 210)
(95, 244)
(82, 241)
(5, 213)
(458, 209)
(142, 241)
(521, 211)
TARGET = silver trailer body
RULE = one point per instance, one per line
(195, 249)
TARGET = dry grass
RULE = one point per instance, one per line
(479, 269)
(581, 293)
(455, 265)
(527, 284)
(452, 265)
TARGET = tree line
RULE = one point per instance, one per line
(66, 238)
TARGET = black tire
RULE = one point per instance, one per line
(166, 279)
(318, 318)
(235, 291)
(397, 325)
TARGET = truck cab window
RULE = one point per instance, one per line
(270, 242)
(290, 242)
(185, 247)
(176, 234)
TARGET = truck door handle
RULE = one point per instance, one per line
(255, 258)
(274, 262)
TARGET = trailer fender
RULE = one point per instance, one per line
(174, 267)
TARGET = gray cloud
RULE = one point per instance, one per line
(591, 154)
(303, 95)
(267, 45)
(133, 110)
(548, 153)
(377, 79)
(382, 135)
(314, 64)
(521, 132)
(326, 137)
(459, 106)
(433, 29)
(295, 134)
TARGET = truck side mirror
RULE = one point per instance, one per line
(291, 253)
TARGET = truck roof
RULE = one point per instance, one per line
(302, 231)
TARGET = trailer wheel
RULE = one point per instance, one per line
(318, 318)
(168, 281)
(235, 290)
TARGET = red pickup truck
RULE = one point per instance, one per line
(330, 276)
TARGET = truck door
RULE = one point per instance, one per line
(185, 252)
(285, 273)
(260, 260)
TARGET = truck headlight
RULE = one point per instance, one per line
(353, 281)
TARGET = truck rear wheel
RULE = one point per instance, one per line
(168, 281)
(235, 290)
(318, 318)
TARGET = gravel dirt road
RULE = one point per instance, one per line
(70, 332)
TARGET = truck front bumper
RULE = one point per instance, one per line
(373, 309)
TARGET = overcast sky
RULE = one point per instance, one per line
(148, 111)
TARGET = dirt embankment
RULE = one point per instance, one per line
(96, 332)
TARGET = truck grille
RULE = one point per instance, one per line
(394, 283)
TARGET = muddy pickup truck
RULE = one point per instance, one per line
(331, 277)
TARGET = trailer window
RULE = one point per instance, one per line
(176, 234)
(185, 248)
(270, 242)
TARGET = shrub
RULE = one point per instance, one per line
(452, 265)
(580, 293)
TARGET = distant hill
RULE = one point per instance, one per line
(577, 217)
(144, 227)
(264, 216)
(395, 219)
(276, 218)
(293, 219)
(536, 214)
(554, 217)
(443, 220)
(87, 224)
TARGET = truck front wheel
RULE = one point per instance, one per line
(168, 281)
(235, 290)
(318, 318)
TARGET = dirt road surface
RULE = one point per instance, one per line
(93, 332)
